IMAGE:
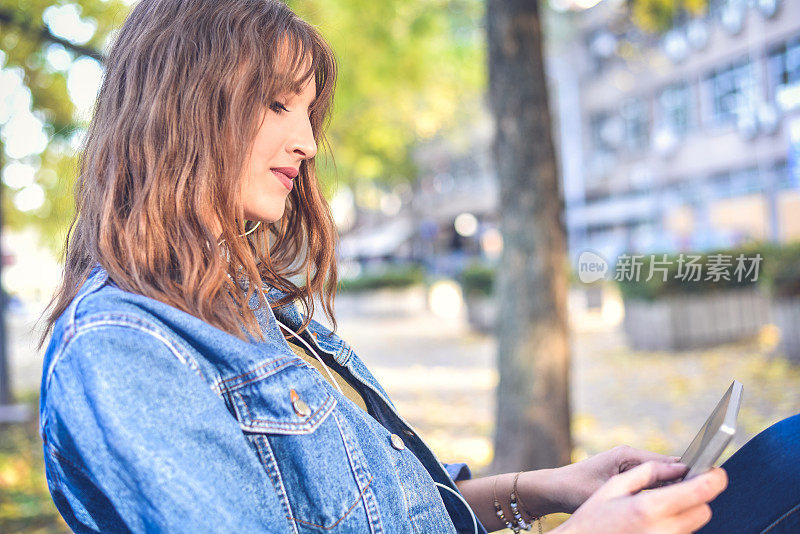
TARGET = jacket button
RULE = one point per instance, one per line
(299, 405)
(397, 442)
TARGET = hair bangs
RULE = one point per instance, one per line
(302, 45)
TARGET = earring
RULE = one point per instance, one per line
(250, 231)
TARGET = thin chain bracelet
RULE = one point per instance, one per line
(515, 495)
(499, 511)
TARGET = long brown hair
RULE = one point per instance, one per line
(186, 85)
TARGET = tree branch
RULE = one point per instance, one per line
(42, 34)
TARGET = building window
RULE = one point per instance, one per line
(784, 67)
(737, 183)
(637, 124)
(781, 176)
(729, 13)
(675, 106)
(603, 135)
(602, 47)
(732, 92)
(746, 181)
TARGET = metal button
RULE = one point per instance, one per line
(397, 442)
(299, 405)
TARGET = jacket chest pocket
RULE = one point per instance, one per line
(308, 451)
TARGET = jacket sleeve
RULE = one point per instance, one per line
(135, 439)
(458, 471)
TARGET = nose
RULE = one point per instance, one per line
(302, 141)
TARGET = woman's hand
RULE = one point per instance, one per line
(578, 481)
(620, 507)
(562, 489)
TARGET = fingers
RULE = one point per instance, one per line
(691, 520)
(642, 476)
(685, 495)
(631, 456)
(628, 457)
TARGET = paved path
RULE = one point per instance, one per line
(442, 378)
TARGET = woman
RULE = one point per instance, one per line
(179, 396)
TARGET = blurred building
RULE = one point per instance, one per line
(445, 219)
(455, 201)
(689, 140)
(685, 141)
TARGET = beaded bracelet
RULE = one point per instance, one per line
(499, 511)
(518, 523)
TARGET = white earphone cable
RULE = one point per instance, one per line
(451, 490)
(250, 231)
(303, 341)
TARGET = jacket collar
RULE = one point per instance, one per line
(316, 334)
(289, 314)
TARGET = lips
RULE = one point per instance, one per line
(283, 178)
(291, 172)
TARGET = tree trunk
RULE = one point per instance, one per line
(532, 417)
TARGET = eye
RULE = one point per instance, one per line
(277, 107)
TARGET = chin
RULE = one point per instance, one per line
(266, 216)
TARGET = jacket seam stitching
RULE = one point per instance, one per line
(355, 502)
(71, 326)
(224, 383)
(781, 519)
(355, 466)
(405, 498)
(277, 480)
(125, 322)
(288, 425)
(50, 451)
(425, 445)
(63, 458)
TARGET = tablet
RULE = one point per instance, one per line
(709, 444)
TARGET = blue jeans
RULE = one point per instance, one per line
(763, 493)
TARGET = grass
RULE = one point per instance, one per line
(25, 502)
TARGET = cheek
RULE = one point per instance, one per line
(263, 192)
(257, 187)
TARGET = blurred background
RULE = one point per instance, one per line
(677, 132)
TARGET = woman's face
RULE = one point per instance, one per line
(284, 139)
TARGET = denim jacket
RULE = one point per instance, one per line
(153, 420)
